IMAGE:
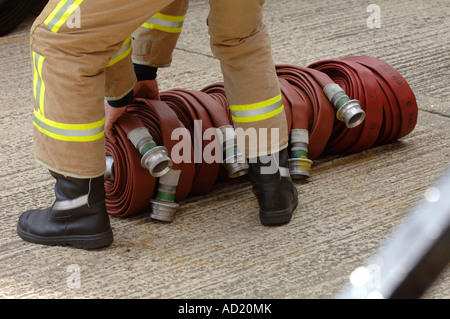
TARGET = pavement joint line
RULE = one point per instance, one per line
(15, 39)
(435, 112)
(27, 38)
(194, 52)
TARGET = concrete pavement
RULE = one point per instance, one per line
(216, 247)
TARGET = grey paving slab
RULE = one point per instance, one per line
(216, 247)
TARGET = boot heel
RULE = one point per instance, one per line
(94, 241)
(281, 217)
(277, 195)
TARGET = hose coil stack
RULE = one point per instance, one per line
(332, 107)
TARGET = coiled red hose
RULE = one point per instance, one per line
(388, 101)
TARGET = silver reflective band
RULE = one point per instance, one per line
(258, 111)
(62, 11)
(66, 132)
(123, 49)
(123, 52)
(165, 23)
(71, 203)
(284, 171)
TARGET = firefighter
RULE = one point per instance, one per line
(80, 64)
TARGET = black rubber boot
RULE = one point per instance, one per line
(77, 218)
(273, 187)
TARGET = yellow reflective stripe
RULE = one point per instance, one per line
(69, 132)
(252, 106)
(123, 52)
(257, 111)
(258, 117)
(61, 13)
(51, 16)
(166, 23)
(38, 83)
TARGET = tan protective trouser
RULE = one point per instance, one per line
(152, 44)
(155, 40)
(82, 54)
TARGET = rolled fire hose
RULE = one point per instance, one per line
(332, 107)
(389, 103)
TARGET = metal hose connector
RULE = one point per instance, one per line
(154, 158)
(348, 111)
(109, 173)
(299, 164)
(299, 168)
(233, 160)
(164, 206)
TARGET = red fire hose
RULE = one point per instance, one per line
(332, 107)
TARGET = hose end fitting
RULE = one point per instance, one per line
(351, 114)
(163, 210)
(234, 161)
(109, 173)
(348, 111)
(164, 206)
(299, 164)
(157, 161)
(300, 167)
(236, 165)
(154, 158)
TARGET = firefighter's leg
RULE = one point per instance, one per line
(73, 42)
(239, 39)
(153, 45)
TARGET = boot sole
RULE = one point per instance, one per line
(77, 241)
(279, 217)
